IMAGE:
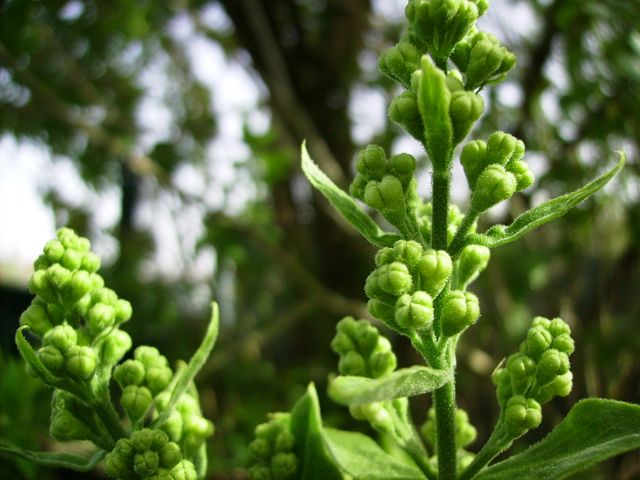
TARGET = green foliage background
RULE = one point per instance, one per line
(287, 269)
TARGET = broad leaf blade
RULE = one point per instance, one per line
(71, 461)
(406, 382)
(315, 463)
(499, 235)
(346, 205)
(594, 430)
(187, 374)
(362, 458)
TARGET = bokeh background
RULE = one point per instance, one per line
(168, 133)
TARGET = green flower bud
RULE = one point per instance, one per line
(465, 432)
(114, 347)
(39, 285)
(352, 364)
(158, 378)
(150, 356)
(464, 109)
(284, 465)
(459, 311)
(563, 343)
(36, 318)
(285, 441)
(538, 341)
(371, 162)
(63, 337)
(54, 250)
(81, 362)
(72, 259)
(489, 61)
(522, 414)
(117, 465)
(356, 189)
(161, 474)
(395, 278)
(474, 160)
(402, 166)
(551, 364)
(260, 472)
(136, 401)
(78, 286)
(521, 370)
(407, 252)
(51, 358)
(385, 255)
(146, 463)
(399, 62)
(185, 470)
(405, 112)
(104, 295)
(58, 276)
(385, 195)
(434, 270)
(494, 185)
(141, 440)
(365, 337)
(174, 425)
(97, 281)
(341, 343)
(560, 386)
(374, 413)
(41, 263)
(123, 311)
(382, 364)
(130, 372)
(170, 455)
(473, 260)
(90, 262)
(523, 174)
(101, 316)
(558, 327)
(501, 147)
(415, 311)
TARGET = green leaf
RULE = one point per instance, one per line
(433, 103)
(594, 430)
(346, 205)
(188, 373)
(315, 463)
(362, 458)
(406, 382)
(71, 461)
(499, 235)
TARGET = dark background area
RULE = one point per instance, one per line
(286, 269)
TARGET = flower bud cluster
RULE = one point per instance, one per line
(386, 184)
(150, 455)
(435, 26)
(272, 450)
(407, 279)
(186, 426)
(482, 59)
(362, 350)
(536, 374)
(465, 435)
(141, 379)
(494, 169)
(63, 356)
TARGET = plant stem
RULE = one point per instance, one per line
(498, 442)
(461, 234)
(441, 191)
(108, 416)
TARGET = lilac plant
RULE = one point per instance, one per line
(419, 289)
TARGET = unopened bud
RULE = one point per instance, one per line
(394, 278)
(405, 112)
(494, 185)
(435, 268)
(522, 414)
(414, 311)
(459, 311)
(464, 109)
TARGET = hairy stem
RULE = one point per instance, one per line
(109, 418)
(461, 234)
(498, 442)
(441, 191)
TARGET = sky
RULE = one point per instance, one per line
(27, 169)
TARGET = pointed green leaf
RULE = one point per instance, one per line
(71, 461)
(362, 458)
(433, 102)
(406, 382)
(315, 463)
(594, 430)
(186, 375)
(499, 235)
(346, 205)
(29, 356)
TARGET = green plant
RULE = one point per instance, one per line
(418, 289)
(77, 320)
